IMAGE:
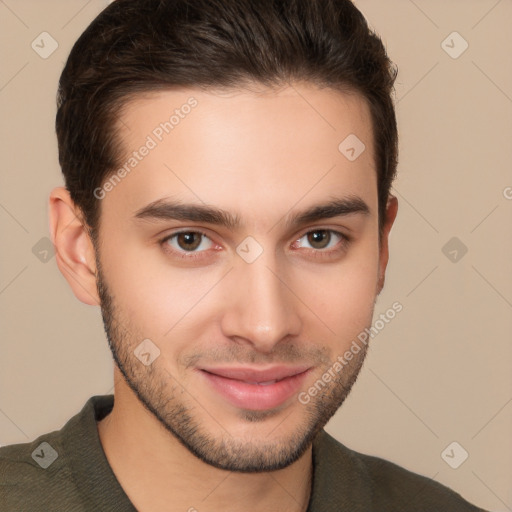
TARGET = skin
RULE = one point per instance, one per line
(263, 155)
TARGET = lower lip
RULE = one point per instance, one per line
(255, 396)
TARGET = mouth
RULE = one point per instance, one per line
(253, 388)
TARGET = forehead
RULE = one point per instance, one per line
(237, 148)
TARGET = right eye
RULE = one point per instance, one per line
(183, 242)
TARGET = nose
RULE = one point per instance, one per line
(262, 309)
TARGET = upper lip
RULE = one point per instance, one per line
(248, 374)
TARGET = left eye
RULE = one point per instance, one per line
(189, 241)
(322, 238)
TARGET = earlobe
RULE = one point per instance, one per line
(74, 251)
(391, 212)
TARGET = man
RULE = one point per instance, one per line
(228, 168)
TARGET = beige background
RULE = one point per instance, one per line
(439, 372)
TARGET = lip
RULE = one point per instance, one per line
(256, 389)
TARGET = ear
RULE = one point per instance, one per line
(74, 251)
(391, 211)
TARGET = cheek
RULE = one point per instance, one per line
(153, 297)
(343, 295)
(137, 290)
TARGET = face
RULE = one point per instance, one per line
(238, 259)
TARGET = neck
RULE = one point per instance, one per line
(158, 473)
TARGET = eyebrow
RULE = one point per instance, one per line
(165, 209)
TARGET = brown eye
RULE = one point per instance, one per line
(189, 241)
(184, 242)
(319, 239)
(323, 243)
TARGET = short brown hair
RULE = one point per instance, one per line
(136, 46)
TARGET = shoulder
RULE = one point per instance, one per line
(382, 485)
(39, 474)
(31, 474)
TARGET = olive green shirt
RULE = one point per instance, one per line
(67, 470)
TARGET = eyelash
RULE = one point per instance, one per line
(315, 253)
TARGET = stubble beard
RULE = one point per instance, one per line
(162, 395)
